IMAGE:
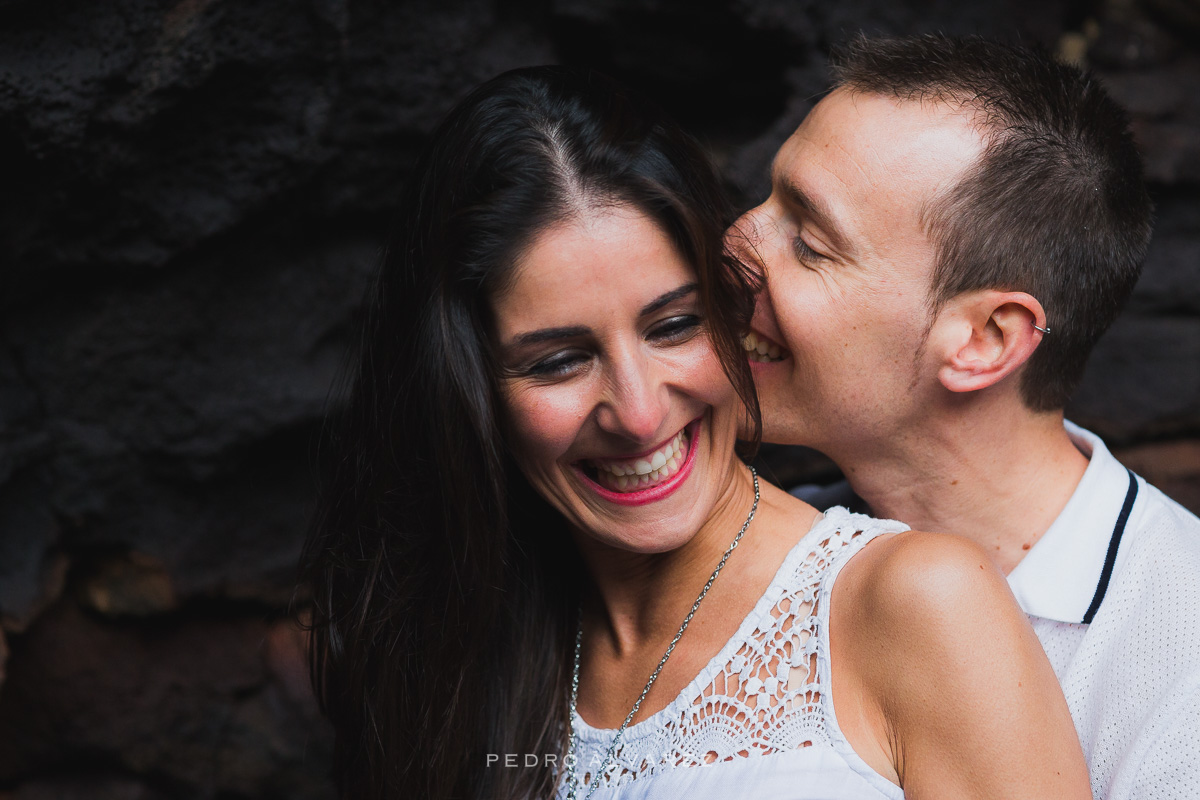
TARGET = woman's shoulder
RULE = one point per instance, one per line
(937, 654)
(927, 596)
(917, 566)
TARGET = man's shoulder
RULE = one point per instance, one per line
(1157, 579)
(1158, 539)
(1165, 529)
(1133, 683)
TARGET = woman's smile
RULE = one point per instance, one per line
(643, 477)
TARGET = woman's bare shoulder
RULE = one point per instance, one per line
(928, 600)
(935, 577)
(921, 570)
(951, 668)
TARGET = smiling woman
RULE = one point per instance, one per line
(556, 306)
(523, 568)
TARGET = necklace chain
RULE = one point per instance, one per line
(572, 776)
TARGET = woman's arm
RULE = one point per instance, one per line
(943, 684)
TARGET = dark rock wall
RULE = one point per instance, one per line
(193, 194)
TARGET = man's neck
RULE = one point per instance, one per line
(998, 479)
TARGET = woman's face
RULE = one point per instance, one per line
(618, 410)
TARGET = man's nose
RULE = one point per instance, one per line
(638, 401)
(744, 237)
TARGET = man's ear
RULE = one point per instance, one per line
(985, 336)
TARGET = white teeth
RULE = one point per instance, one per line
(642, 472)
(761, 350)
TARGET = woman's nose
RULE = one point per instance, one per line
(638, 402)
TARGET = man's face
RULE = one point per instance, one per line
(844, 242)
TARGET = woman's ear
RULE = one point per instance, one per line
(985, 336)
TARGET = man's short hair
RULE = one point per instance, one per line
(1056, 205)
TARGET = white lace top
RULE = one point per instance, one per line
(758, 721)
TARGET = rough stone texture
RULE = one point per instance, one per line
(204, 702)
(1144, 379)
(100, 786)
(132, 585)
(194, 194)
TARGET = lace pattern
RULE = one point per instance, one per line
(762, 694)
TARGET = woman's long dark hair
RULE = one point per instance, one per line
(444, 590)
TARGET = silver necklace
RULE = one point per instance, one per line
(572, 776)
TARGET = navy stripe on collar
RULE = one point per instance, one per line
(1114, 544)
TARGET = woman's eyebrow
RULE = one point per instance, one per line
(668, 298)
(547, 334)
(573, 331)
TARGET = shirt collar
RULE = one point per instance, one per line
(1057, 578)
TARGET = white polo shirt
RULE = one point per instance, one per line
(1113, 592)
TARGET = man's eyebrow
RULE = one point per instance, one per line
(668, 298)
(816, 209)
(548, 334)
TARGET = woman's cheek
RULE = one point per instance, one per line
(545, 421)
(703, 371)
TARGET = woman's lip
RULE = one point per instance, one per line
(658, 491)
(642, 454)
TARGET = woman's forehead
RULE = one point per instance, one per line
(612, 259)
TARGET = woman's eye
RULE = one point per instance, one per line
(676, 328)
(804, 252)
(557, 365)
